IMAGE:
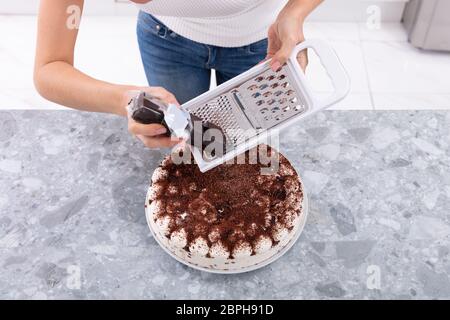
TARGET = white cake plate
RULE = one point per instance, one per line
(276, 254)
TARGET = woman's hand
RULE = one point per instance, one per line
(284, 35)
(287, 31)
(152, 135)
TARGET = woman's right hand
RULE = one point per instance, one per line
(152, 135)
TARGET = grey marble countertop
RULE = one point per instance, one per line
(72, 225)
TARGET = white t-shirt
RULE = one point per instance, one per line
(226, 23)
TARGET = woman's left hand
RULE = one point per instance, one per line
(283, 36)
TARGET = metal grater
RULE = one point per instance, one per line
(251, 107)
(259, 102)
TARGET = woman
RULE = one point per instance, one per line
(180, 42)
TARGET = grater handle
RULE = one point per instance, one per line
(333, 66)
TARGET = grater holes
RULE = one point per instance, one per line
(282, 101)
(219, 112)
(274, 97)
(290, 92)
(278, 93)
(275, 109)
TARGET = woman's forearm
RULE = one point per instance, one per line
(60, 82)
(55, 76)
(301, 8)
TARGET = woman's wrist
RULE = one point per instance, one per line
(121, 99)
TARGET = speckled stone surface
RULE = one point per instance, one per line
(72, 187)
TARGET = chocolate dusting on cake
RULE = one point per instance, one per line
(234, 202)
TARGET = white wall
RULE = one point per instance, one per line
(92, 7)
(330, 10)
(356, 10)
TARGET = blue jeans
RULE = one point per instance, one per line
(183, 66)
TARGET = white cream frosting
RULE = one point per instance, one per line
(251, 230)
(286, 170)
(242, 249)
(157, 206)
(163, 225)
(294, 199)
(155, 191)
(199, 246)
(214, 235)
(292, 184)
(279, 232)
(263, 244)
(218, 250)
(178, 238)
(267, 219)
(159, 175)
(291, 218)
(172, 190)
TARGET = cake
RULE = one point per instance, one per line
(232, 216)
